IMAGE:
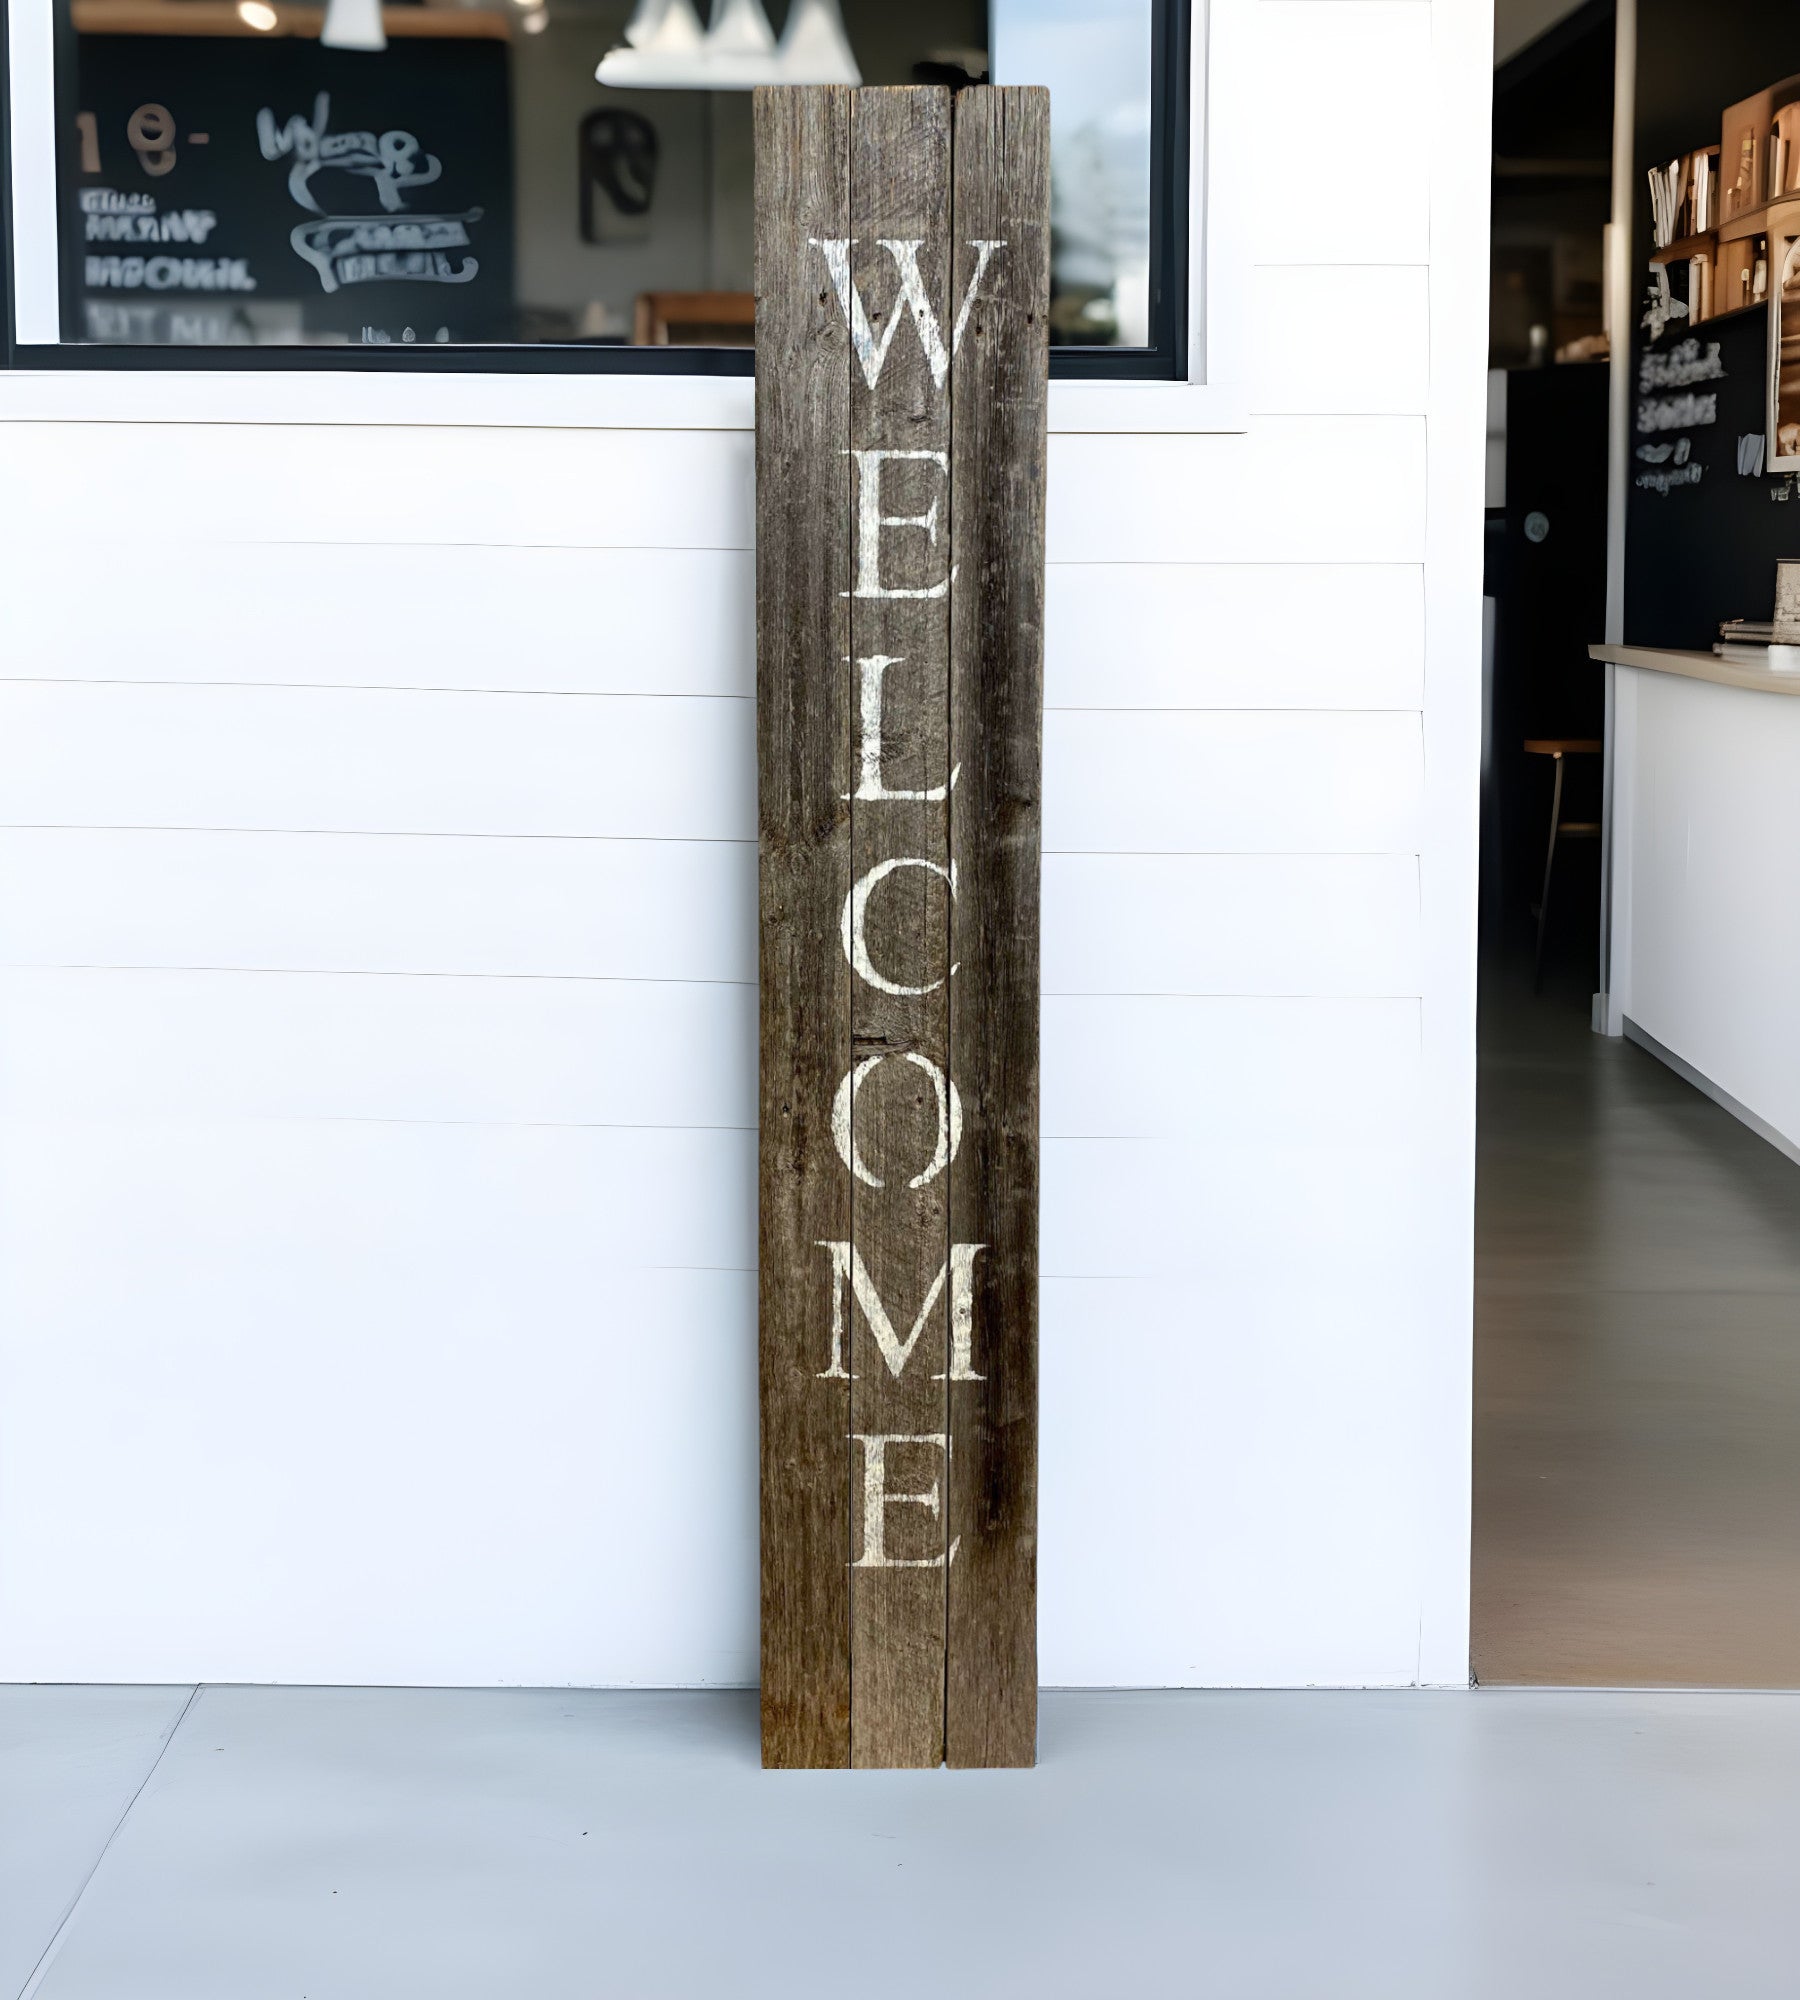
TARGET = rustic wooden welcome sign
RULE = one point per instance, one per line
(903, 290)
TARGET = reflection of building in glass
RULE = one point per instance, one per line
(1100, 224)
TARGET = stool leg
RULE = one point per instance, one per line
(1537, 966)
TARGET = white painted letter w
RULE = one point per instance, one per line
(872, 348)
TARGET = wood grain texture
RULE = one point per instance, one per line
(803, 745)
(900, 192)
(999, 415)
(900, 642)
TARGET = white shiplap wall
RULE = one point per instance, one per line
(377, 1020)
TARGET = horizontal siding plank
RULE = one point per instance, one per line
(382, 1380)
(377, 761)
(98, 1045)
(657, 910)
(1235, 635)
(1290, 489)
(1125, 635)
(1340, 339)
(1240, 1072)
(635, 766)
(1234, 783)
(1231, 924)
(1295, 489)
(1125, 1208)
(225, 484)
(1346, 85)
(584, 621)
(640, 1200)
(1243, 924)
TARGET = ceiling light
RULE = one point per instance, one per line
(353, 24)
(255, 14)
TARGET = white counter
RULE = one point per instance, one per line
(1705, 963)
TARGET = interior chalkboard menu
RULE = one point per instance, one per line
(1706, 522)
(235, 189)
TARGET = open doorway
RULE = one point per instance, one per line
(1637, 1454)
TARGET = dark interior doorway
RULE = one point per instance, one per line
(1637, 1423)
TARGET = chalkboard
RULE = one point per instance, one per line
(232, 189)
(1705, 524)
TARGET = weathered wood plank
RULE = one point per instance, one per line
(998, 410)
(803, 542)
(900, 844)
(900, 917)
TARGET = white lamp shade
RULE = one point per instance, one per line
(814, 47)
(353, 24)
(640, 30)
(740, 28)
(738, 53)
(678, 33)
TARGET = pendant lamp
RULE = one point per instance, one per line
(814, 47)
(640, 30)
(668, 52)
(353, 24)
(739, 28)
(678, 31)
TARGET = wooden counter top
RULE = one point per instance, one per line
(1700, 667)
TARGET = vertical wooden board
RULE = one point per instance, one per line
(900, 196)
(803, 749)
(999, 413)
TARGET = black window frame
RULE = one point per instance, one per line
(1164, 360)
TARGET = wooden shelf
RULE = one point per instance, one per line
(1755, 221)
(1734, 312)
(1685, 247)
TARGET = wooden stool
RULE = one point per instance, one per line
(1557, 749)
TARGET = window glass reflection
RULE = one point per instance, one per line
(247, 172)
(1096, 58)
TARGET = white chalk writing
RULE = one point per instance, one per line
(391, 161)
(1683, 363)
(168, 274)
(345, 250)
(1663, 482)
(1677, 413)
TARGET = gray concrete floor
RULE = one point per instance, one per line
(1637, 1367)
(352, 1844)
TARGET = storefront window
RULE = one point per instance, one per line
(247, 173)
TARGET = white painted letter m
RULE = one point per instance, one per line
(849, 1274)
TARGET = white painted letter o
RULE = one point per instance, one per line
(949, 1109)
